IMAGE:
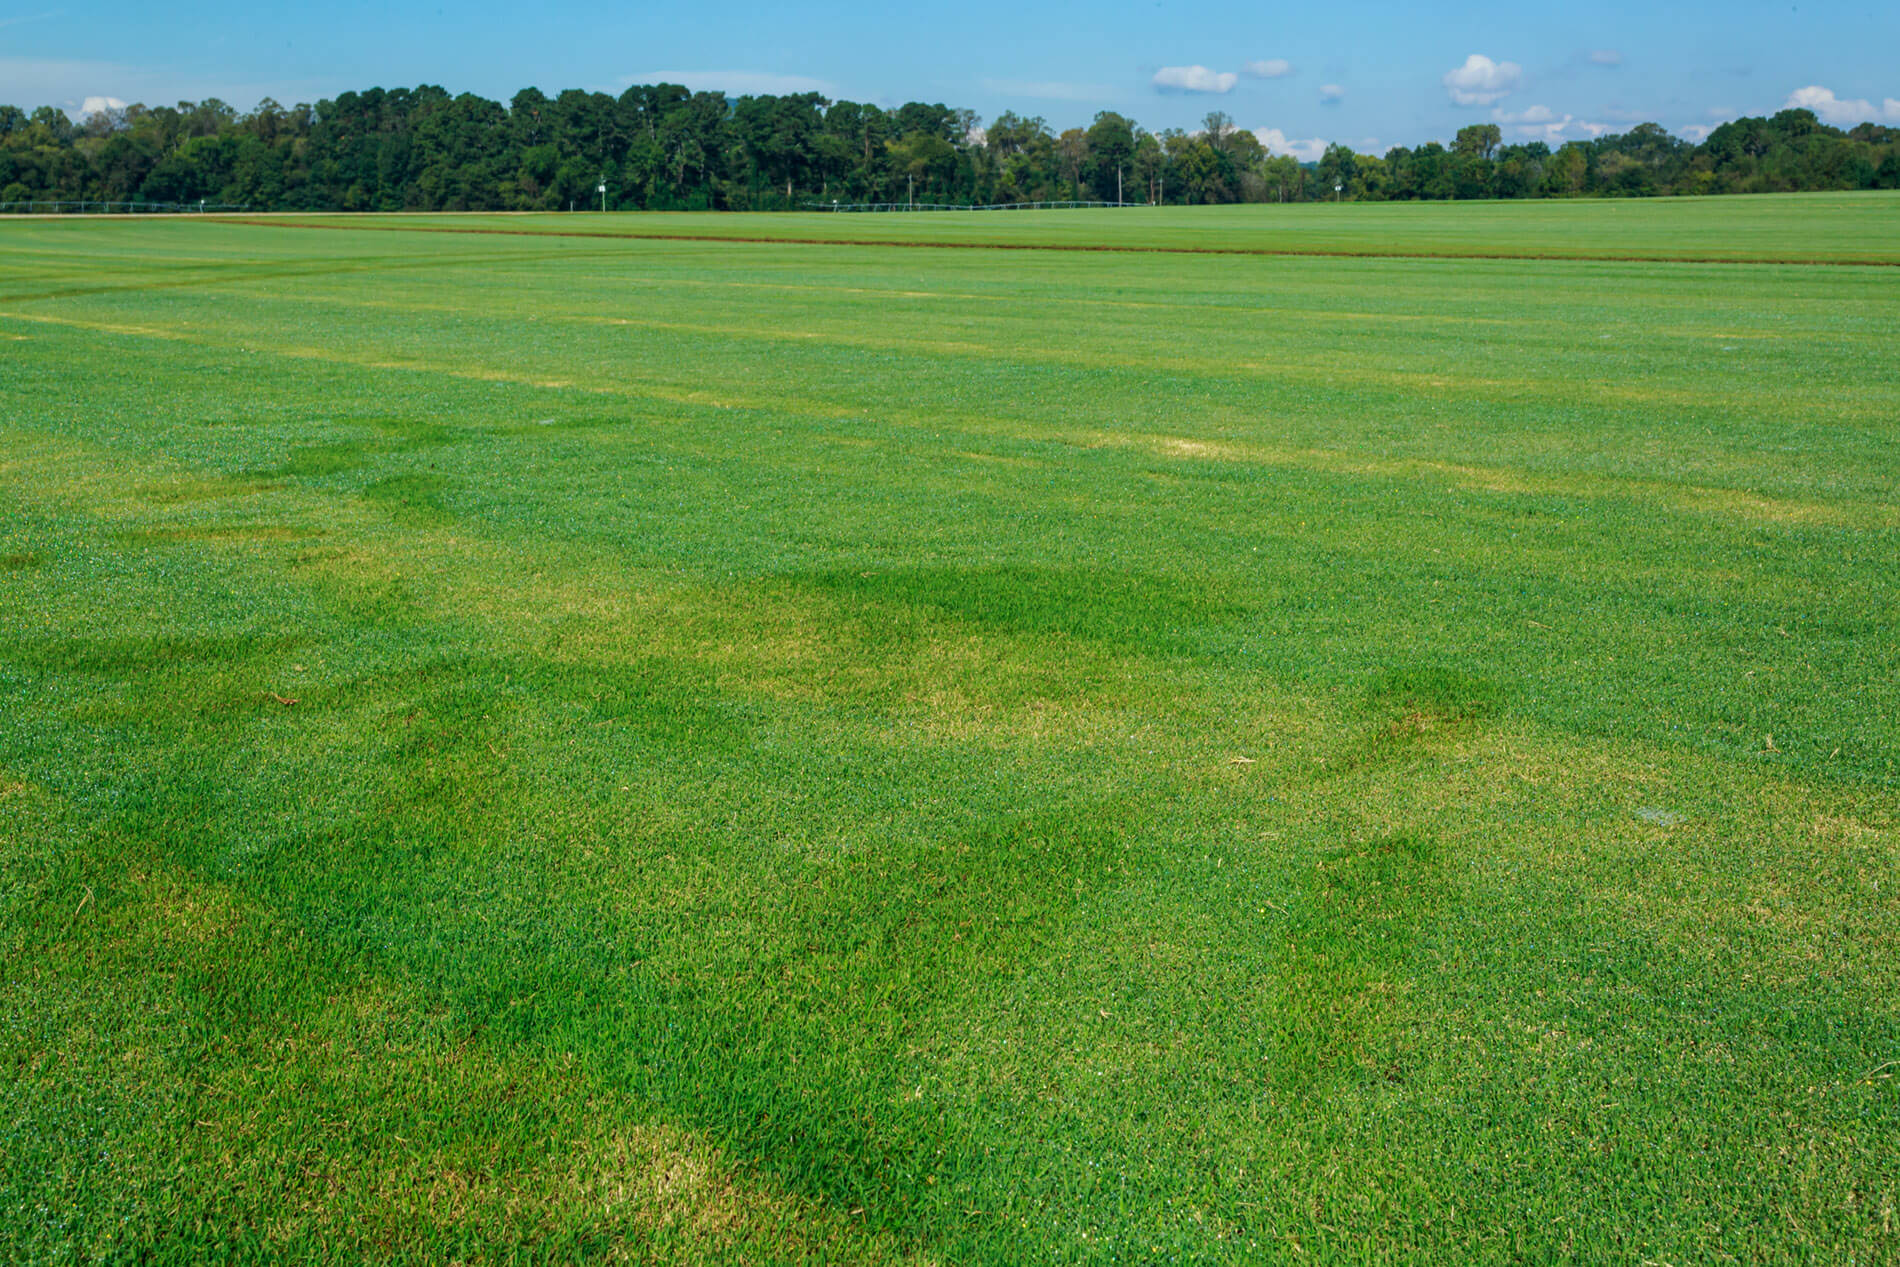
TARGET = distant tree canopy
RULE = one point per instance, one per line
(659, 147)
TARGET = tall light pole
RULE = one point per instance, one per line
(602, 187)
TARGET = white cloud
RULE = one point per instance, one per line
(1277, 142)
(1331, 94)
(1541, 123)
(1552, 132)
(1271, 68)
(1697, 132)
(1842, 112)
(737, 83)
(98, 105)
(1047, 89)
(1195, 79)
(1606, 57)
(1530, 114)
(1481, 81)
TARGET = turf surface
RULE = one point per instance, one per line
(1840, 228)
(673, 749)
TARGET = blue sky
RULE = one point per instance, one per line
(1370, 75)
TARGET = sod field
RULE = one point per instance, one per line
(583, 742)
(1805, 228)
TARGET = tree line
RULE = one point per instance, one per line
(662, 147)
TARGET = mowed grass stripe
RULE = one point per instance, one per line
(1678, 496)
(1225, 394)
(1846, 229)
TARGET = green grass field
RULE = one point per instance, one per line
(1841, 228)
(583, 747)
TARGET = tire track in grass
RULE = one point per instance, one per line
(1727, 503)
(1086, 248)
(211, 275)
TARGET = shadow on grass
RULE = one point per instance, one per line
(143, 655)
(762, 998)
(392, 435)
(1152, 614)
(568, 858)
(1350, 940)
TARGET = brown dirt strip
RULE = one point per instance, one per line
(1069, 246)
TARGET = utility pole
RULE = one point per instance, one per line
(912, 196)
(1118, 184)
(603, 193)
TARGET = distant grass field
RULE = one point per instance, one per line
(577, 748)
(1813, 228)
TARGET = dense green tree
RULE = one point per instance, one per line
(52, 126)
(1110, 144)
(1148, 164)
(1567, 169)
(775, 143)
(1520, 170)
(1479, 140)
(1371, 181)
(122, 165)
(661, 146)
(1337, 167)
(1023, 156)
(1203, 168)
(1072, 152)
(1284, 179)
(1425, 172)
